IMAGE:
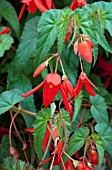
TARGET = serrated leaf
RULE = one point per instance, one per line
(40, 128)
(8, 12)
(5, 43)
(77, 105)
(22, 83)
(107, 7)
(64, 119)
(9, 99)
(62, 27)
(105, 132)
(100, 36)
(76, 141)
(47, 33)
(99, 109)
(28, 42)
(11, 164)
(100, 147)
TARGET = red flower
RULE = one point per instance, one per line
(5, 31)
(68, 88)
(77, 3)
(83, 79)
(85, 49)
(93, 156)
(33, 5)
(69, 164)
(40, 68)
(51, 84)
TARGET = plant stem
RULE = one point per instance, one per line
(16, 109)
(62, 67)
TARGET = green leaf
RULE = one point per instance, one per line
(100, 36)
(76, 141)
(100, 147)
(62, 27)
(107, 7)
(28, 42)
(77, 105)
(11, 164)
(99, 109)
(105, 132)
(8, 12)
(63, 118)
(40, 126)
(47, 32)
(9, 99)
(5, 43)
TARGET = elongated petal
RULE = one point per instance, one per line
(69, 87)
(65, 101)
(53, 78)
(89, 89)
(21, 12)
(49, 93)
(33, 90)
(47, 160)
(59, 149)
(49, 3)
(5, 31)
(32, 7)
(45, 140)
(69, 164)
(39, 69)
(77, 88)
(39, 5)
(31, 130)
(65, 88)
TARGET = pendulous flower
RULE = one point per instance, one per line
(52, 84)
(83, 79)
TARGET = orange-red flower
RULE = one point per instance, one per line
(52, 84)
(33, 5)
(68, 88)
(77, 3)
(84, 49)
(69, 165)
(83, 79)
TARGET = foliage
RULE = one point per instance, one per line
(70, 49)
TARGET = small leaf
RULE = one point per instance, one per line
(62, 27)
(11, 164)
(100, 147)
(5, 43)
(99, 109)
(8, 12)
(76, 141)
(28, 42)
(47, 33)
(9, 99)
(77, 105)
(105, 132)
(40, 126)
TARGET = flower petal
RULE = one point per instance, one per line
(49, 93)
(78, 88)
(33, 90)
(85, 51)
(53, 78)
(40, 5)
(65, 101)
(39, 69)
(89, 88)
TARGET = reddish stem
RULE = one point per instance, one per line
(81, 117)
